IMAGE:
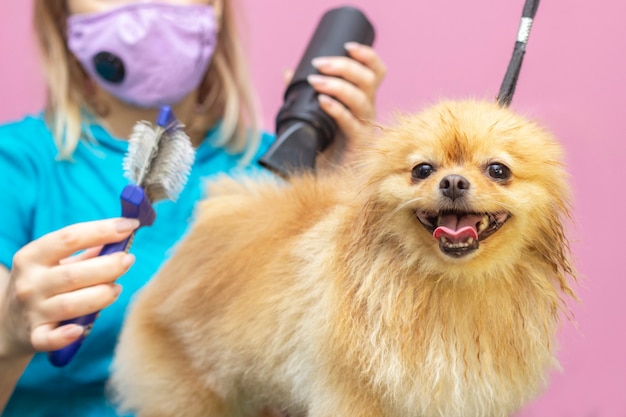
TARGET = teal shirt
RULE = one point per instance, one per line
(38, 195)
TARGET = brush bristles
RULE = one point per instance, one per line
(159, 161)
(171, 166)
(141, 145)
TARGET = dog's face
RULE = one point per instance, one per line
(469, 181)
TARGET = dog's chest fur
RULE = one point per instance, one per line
(424, 345)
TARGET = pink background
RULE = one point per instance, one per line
(573, 81)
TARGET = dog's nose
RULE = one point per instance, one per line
(454, 186)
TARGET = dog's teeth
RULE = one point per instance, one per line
(455, 245)
(470, 240)
(484, 223)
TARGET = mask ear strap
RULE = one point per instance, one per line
(515, 64)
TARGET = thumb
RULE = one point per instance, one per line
(287, 76)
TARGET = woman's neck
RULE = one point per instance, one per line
(119, 118)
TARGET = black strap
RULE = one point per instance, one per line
(515, 64)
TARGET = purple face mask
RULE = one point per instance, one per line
(146, 54)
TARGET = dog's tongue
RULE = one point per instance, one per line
(457, 228)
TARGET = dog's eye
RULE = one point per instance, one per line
(499, 171)
(422, 171)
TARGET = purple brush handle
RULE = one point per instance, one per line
(135, 205)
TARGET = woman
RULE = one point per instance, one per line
(105, 71)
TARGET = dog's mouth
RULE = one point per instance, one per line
(459, 233)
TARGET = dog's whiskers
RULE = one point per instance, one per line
(505, 206)
(405, 204)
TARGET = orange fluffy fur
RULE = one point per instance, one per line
(327, 297)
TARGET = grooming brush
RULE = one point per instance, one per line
(515, 64)
(157, 163)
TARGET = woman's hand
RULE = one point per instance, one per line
(347, 92)
(48, 285)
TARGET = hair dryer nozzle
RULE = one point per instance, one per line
(294, 150)
(302, 128)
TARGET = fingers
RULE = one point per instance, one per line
(367, 56)
(343, 116)
(47, 338)
(70, 305)
(45, 312)
(49, 285)
(347, 88)
(87, 254)
(51, 248)
(89, 272)
(363, 68)
(352, 97)
(50, 295)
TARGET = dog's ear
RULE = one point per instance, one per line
(554, 246)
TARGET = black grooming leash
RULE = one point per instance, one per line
(515, 64)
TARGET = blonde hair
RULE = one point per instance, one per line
(225, 93)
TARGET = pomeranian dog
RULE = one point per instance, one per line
(426, 280)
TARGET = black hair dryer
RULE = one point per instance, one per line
(302, 128)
